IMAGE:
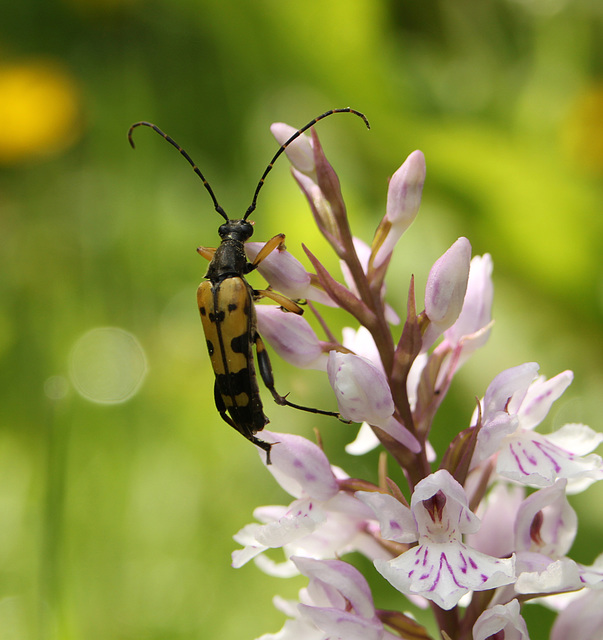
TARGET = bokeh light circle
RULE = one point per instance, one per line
(107, 365)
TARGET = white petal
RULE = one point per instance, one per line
(284, 569)
(577, 438)
(252, 548)
(365, 441)
(477, 304)
(558, 525)
(301, 520)
(342, 577)
(295, 630)
(362, 343)
(540, 396)
(505, 618)
(336, 623)
(456, 511)
(396, 521)
(560, 575)
(511, 383)
(532, 459)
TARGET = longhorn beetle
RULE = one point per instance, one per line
(225, 302)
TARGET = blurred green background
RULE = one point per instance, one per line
(116, 518)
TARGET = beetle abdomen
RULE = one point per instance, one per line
(228, 319)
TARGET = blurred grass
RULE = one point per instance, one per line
(117, 519)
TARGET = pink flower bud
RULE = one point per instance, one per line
(403, 201)
(300, 151)
(405, 189)
(285, 273)
(445, 290)
(301, 467)
(361, 389)
(291, 337)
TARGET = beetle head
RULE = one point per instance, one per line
(240, 230)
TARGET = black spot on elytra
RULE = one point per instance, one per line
(235, 383)
(203, 311)
(210, 347)
(232, 306)
(217, 317)
(240, 344)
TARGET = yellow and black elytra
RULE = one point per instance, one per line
(226, 304)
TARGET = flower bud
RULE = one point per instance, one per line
(445, 290)
(291, 337)
(285, 273)
(361, 389)
(301, 467)
(299, 152)
(403, 201)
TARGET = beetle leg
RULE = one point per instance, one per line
(278, 242)
(279, 298)
(206, 252)
(221, 407)
(266, 372)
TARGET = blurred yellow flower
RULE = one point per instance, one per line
(39, 110)
(583, 129)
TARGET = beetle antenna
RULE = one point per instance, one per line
(183, 153)
(288, 142)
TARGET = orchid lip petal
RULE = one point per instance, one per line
(445, 572)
